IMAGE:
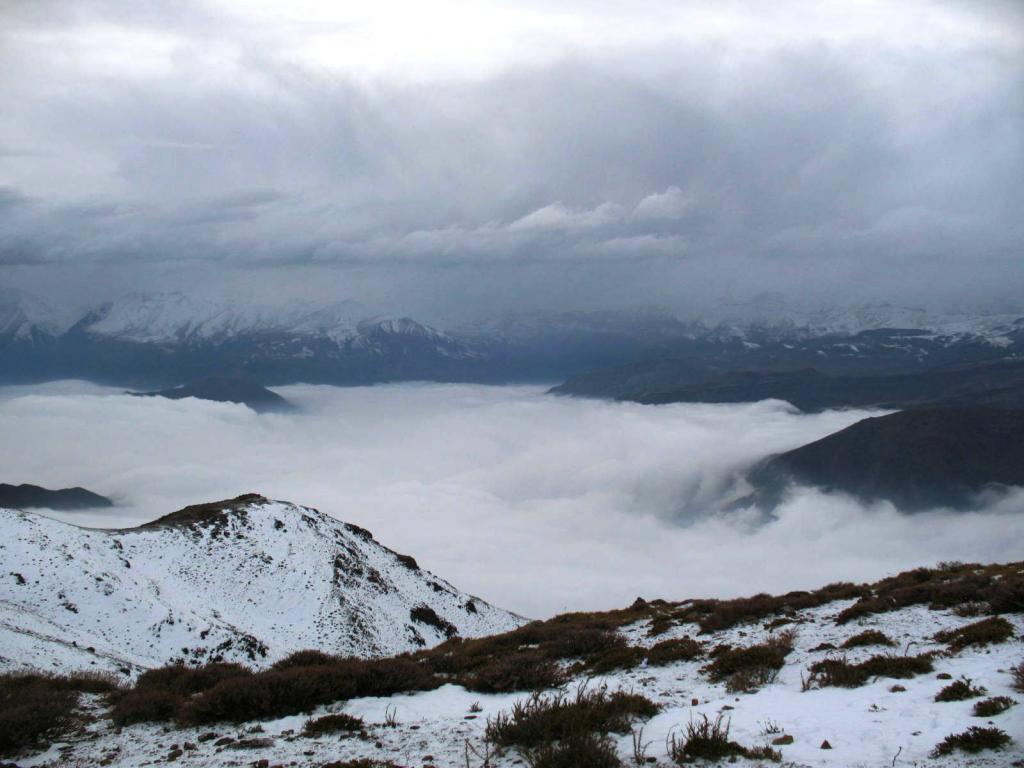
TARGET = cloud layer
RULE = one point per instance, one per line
(539, 504)
(675, 153)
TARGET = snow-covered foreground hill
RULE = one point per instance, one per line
(247, 580)
(885, 718)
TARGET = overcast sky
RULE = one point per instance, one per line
(456, 158)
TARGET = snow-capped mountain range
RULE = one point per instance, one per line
(171, 338)
(248, 580)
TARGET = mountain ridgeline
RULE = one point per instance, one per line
(153, 341)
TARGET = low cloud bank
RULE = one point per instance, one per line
(539, 504)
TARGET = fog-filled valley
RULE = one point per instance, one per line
(537, 503)
(512, 384)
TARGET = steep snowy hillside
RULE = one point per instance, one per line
(243, 580)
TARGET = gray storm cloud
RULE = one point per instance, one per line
(540, 504)
(673, 152)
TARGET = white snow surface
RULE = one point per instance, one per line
(867, 727)
(253, 582)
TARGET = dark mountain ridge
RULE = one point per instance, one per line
(26, 496)
(917, 459)
(997, 384)
(227, 389)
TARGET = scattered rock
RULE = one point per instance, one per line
(787, 739)
(826, 745)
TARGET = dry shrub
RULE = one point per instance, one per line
(961, 690)
(993, 706)
(706, 739)
(994, 629)
(714, 615)
(145, 706)
(576, 751)
(1017, 673)
(868, 637)
(973, 740)
(541, 720)
(37, 707)
(839, 672)
(999, 587)
(746, 669)
(280, 692)
(671, 651)
(186, 681)
(519, 671)
(337, 723)
(306, 658)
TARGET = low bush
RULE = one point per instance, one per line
(577, 751)
(973, 740)
(745, 669)
(660, 624)
(337, 723)
(520, 671)
(1000, 588)
(36, 707)
(280, 692)
(706, 739)
(993, 706)
(750, 680)
(619, 656)
(307, 658)
(523, 659)
(145, 706)
(541, 719)
(714, 615)
(186, 681)
(995, 629)
(961, 690)
(671, 651)
(868, 637)
(839, 672)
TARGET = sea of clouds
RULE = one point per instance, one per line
(537, 503)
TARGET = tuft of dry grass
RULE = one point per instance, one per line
(706, 739)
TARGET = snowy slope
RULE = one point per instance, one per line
(168, 318)
(775, 316)
(24, 318)
(867, 727)
(248, 580)
(175, 318)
